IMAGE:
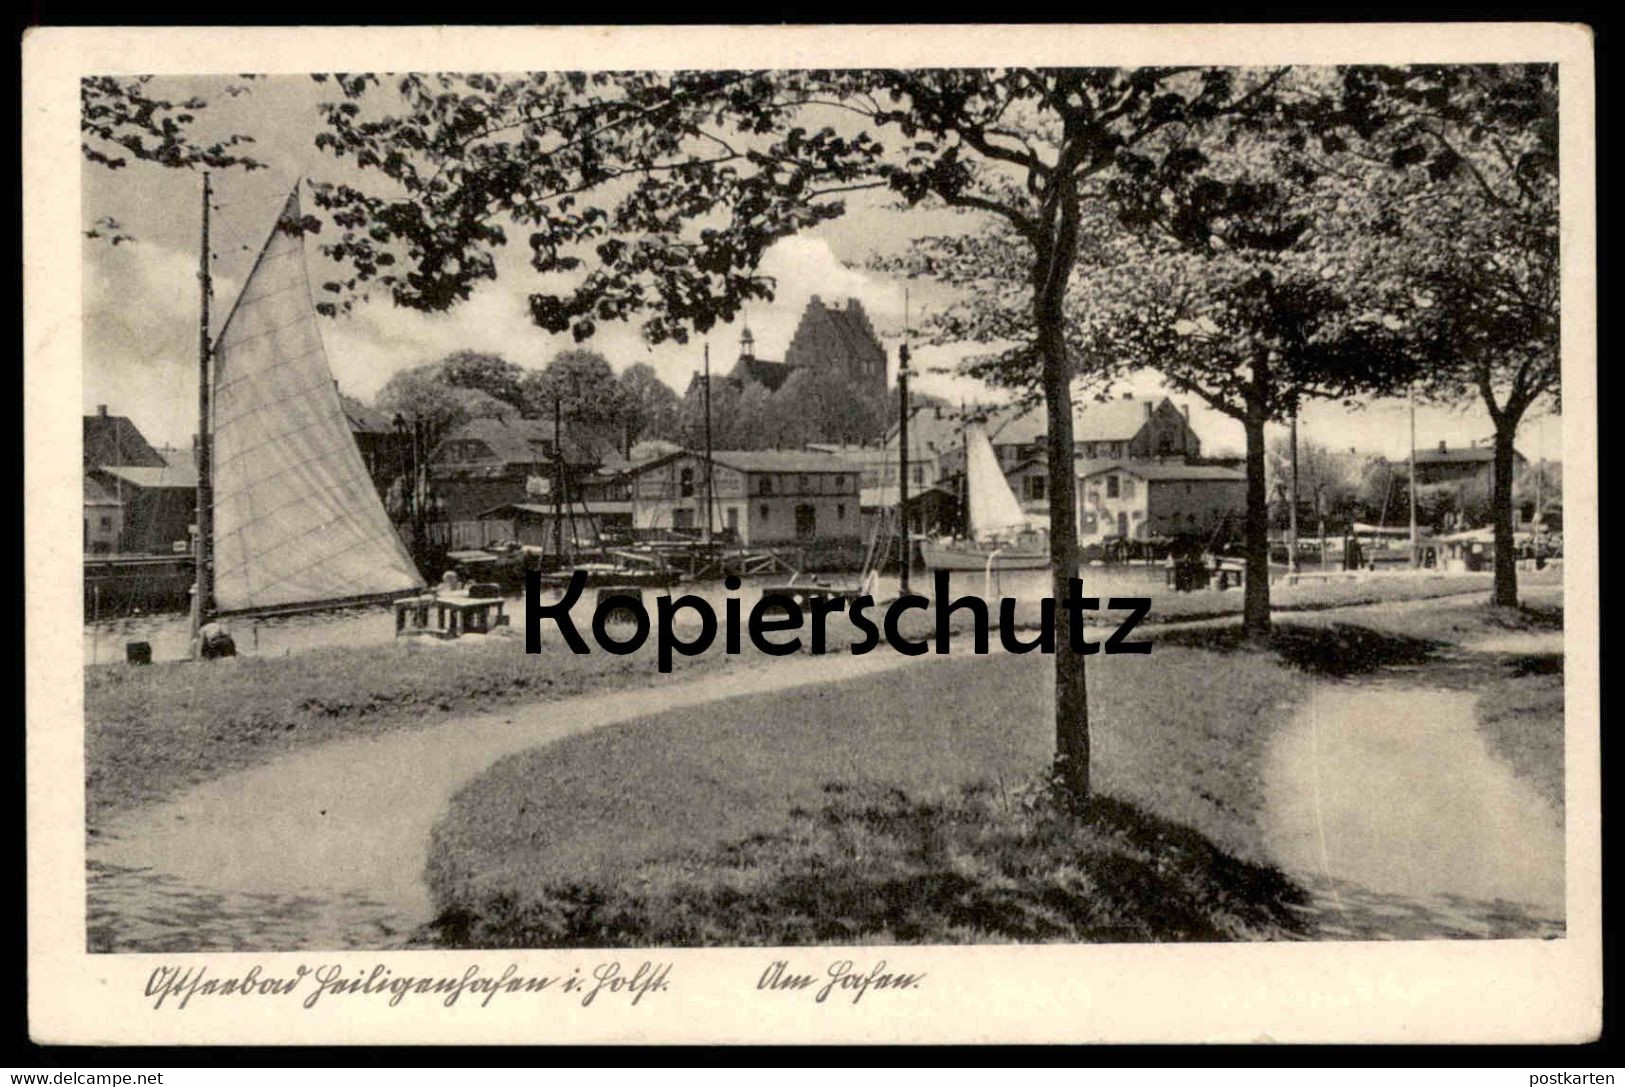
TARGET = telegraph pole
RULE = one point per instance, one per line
(1415, 556)
(558, 479)
(1292, 512)
(203, 575)
(708, 442)
(904, 553)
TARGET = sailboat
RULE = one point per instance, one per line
(289, 519)
(1000, 535)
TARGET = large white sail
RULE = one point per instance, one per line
(297, 520)
(993, 505)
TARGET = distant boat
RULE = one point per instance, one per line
(1001, 535)
(293, 520)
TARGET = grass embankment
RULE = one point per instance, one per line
(905, 807)
(153, 730)
(1521, 716)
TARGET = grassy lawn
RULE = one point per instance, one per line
(873, 787)
(1520, 714)
(153, 730)
(880, 810)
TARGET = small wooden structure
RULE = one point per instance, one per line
(455, 614)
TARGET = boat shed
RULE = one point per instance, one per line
(532, 523)
(762, 497)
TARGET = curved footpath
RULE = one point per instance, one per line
(1384, 799)
(327, 847)
(1386, 814)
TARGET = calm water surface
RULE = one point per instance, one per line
(104, 641)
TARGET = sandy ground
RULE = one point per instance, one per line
(1391, 790)
(328, 847)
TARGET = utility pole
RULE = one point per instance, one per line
(1415, 556)
(1292, 512)
(708, 442)
(203, 583)
(558, 479)
(904, 553)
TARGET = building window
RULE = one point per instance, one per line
(1034, 487)
(1128, 487)
(765, 511)
(107, 522)
(686, 483)
(806, 484)
(840, 512)
(766, 487)
(1111, 486)
(916, 473)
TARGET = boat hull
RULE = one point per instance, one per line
(968, 556)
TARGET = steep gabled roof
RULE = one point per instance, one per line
(113, 439)
(1470, 455)
(98, 495)
(761, 460)
(514, 441)
(365, 420)
(762, 371)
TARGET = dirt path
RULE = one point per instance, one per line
(326, 848)
(1384, 797)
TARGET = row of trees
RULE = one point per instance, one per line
(590, 397)
(1345, 487)
(1260, 237)
(812, 405)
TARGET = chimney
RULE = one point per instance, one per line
(101, 410)
(1442, 447)
(1186, 409)
(1148, 409)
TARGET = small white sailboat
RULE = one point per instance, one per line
(290, 518)
(1001, 536)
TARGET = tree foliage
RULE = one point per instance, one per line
(492, 375)
(1474, 150)
(582, 384)
(649, 407)
(424, 396)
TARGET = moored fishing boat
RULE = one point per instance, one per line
(289, 519)
(999, 536)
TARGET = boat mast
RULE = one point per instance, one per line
(203, 573)
(708, 475)
(964, 474)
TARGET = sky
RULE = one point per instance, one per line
(141, 298)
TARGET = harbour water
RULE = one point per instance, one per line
(167, 634)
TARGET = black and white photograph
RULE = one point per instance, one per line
(621, 511)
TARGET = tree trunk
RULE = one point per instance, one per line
(1505, 593)
(1255, 604)
(1071, 691)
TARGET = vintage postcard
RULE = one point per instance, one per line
(822, 534)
